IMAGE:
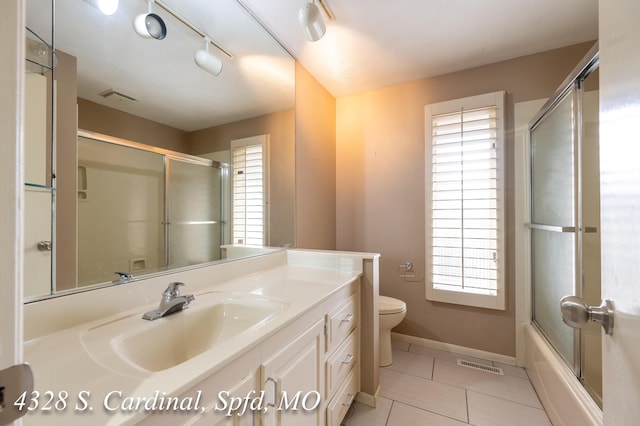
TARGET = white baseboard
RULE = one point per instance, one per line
(368, 399)
(476, 353)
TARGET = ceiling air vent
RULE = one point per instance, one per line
(115, 96)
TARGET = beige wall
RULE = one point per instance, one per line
(12, 46)
(280, 127)
(315, 164)
(101, 119)
(380, 187)
(66, 170)
(359, 172)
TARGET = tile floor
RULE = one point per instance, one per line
(426, 386)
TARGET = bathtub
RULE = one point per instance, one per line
(563, 397)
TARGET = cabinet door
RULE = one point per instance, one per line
(221, 397)
(293, 381)
(242, 416)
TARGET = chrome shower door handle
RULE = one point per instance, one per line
(44, 246)
(576, 314)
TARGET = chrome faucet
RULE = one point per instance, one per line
(124, 277)
(170, 303)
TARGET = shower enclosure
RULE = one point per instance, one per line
(565, 216)
(141, 209)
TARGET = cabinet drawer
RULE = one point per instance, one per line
(339, 405)
(341, 322)
(341, 363)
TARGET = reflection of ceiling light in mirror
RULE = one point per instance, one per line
(107, 7)
(311, 21)
(208, 62)
(150, 25)
(265, 70)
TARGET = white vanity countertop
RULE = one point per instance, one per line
(61, 364)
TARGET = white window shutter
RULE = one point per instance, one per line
(249, 191)
(465, 201)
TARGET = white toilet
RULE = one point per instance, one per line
(391, 312)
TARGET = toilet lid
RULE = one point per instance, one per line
(389, 305)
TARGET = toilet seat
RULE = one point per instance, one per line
(389, 305)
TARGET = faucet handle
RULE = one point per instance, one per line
(173, 290)
(124, 277)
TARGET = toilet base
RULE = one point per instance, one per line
(386, 357)
(391, 312)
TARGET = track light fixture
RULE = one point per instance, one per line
(311, 21)
(207, 61)
(150, 25)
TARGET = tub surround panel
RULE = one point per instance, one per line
(564, 399)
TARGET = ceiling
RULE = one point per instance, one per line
(161, 75)
(377, 43)
(371, 44)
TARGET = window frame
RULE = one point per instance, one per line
(461, 297)
(246, 142)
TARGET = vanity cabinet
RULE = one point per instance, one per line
(294, 379)
(342, 358)
(313, 363)
(238, 379)
(242, 416)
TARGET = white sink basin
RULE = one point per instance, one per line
(133, 346)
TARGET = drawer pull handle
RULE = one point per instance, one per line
(346, 404)
(348, 318)
(348, 360)
(275, 391)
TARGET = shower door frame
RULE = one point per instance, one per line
(169, 217)
(573, 83)
(572, 228)
(168, 155)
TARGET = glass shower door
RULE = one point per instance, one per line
(553, 222)
(119, 211)
(194, 230)
(565, 222)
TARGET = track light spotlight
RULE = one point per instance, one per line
(208, 62)
(311, 21)
(150, 25)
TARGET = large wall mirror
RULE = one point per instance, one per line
(143, 150)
